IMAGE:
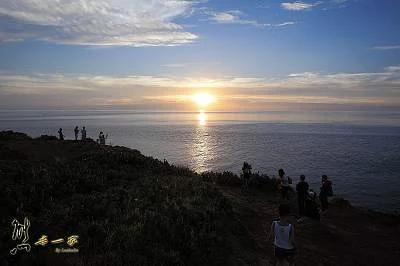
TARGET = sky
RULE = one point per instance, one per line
(154, 55)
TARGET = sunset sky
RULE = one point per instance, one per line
(248, 55)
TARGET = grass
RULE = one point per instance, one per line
(127, 209)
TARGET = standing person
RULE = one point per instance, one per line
(284, 182)
(83, 133)
(283, 231)
(102, 139)
(246, 175)
(76, 131)
(302, 190)
(326, 191)
(60, 134)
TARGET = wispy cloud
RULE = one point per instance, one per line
(100, 22)
(232, 17)
(339, 2)
(387, 47)
(379, 88)
(298, 6)
(325, 5)
(283, 24)
(238, 17)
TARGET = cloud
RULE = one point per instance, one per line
(297, 6)
(387, 47)
(284, 24)
(237, 17)
(339, 2)
(96, 22)
(301, 6)
(377, 88)
(232, 17)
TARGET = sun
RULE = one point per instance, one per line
(203, 99)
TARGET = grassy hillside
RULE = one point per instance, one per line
(127, 209)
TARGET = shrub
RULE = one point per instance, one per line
(127, 208)
(11, 135)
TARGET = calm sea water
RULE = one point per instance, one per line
(363, 161)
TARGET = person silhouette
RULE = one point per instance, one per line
(302, 190)
(83, 133)
(246, 175)
(76, 131)
(60, 134)
(325, 192)
(102, 139)
(284, 184)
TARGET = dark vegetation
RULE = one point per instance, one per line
(127, 209)
(257, 181)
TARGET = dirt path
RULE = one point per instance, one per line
(344, 236)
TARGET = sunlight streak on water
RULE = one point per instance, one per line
(201, 150)
(202, 117)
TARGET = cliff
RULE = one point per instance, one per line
(129, 209)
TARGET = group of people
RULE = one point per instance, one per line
(282, 230)
(101, 139)
(305, 195)
(83, 133)
(76, 132)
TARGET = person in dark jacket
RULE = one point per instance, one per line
(60, 134)
(76, 131)
(302, 190)
(246, 175)
(326, 191)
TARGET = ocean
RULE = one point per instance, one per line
(359, 152)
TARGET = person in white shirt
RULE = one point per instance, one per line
(283, 231)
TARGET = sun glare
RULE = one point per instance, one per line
(203, 99)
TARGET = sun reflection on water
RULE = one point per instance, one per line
(202, 118)
(201, 150)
